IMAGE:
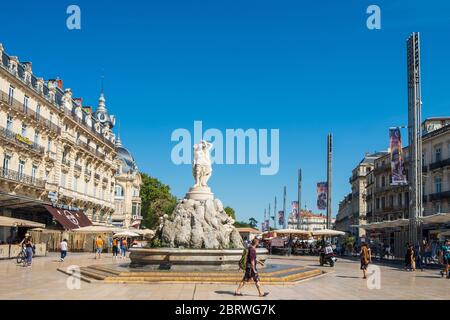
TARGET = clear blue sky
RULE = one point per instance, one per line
(304, 67)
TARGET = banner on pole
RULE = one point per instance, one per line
(322, 195)
(294, 209)
(397, 162)
(281, 218)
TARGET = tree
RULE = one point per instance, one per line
(241, 224)
(230, 212)
(157, 200)
(253, 222)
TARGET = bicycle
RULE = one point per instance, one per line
(22, 257)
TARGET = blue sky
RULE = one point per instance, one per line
(304, 67)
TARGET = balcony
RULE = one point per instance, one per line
(21, 141)
(21, 178)
(87, 147)
(77, 167)
(19, 107)
(440, 196)
(49, 155)
(96, 176)
(65, 162)
(440, 164)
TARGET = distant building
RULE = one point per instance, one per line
(309, 221)
(353, 209)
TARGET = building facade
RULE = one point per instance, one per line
(53, 150)
(387, 206)
(127, 190)
(355, 209)
(309, 221)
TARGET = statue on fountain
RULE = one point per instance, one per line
(199, 221)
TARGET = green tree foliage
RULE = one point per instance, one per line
(241, 224)
(230, 212)
(253, 222)
(157, 200)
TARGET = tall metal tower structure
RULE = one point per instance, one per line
(284, 207)
(415, 138)
(299, 198)
(275, 213)
(329, 177)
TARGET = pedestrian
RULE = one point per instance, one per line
(251, 272)
(98, 247)
(366, 258)
(410, 262)
(124, 248)
(445, 252)
(115, 248)
(27, 242)
(418, 251)
(63, 246)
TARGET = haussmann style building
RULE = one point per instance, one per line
(60, 164)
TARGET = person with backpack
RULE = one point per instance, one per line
(248, 263)
(445, 252)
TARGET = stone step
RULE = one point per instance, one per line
(285, 276)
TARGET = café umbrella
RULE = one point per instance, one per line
(127, 234)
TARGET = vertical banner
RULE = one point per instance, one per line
(322, 194)
(294, 209)
(281, 218)
(397, 163)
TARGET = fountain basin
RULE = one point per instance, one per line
(178, 259)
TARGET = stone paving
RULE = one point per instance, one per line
(43, 281)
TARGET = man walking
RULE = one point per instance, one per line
(63, 247)
(98, 247)
(251, 271)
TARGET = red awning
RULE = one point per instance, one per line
(69, 219)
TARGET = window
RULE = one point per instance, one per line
(63, 179)
(21, 167)
(49, 144)
(11, 95)
(118, 191)
(135, 192)
(24, 130)
(383, 181)
(383, 202)
(437, 154)
(6, 162)
(33, 173)
(9, 123)
(36, 137)
(438, 184)
(25, 104)
(51, 117)
(86, 185)
(400, 200)
(38, 111)
(378, 203)
(75, 183)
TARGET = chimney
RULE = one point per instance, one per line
(1, 49)
(59, 83)
(79, 101)
(88, 109)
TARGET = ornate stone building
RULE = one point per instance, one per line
(55, 151)
(126, 196)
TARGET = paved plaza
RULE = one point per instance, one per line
(43, 281)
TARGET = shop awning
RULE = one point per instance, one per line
(13, 222)
(69, 219)
(383, 225)
(328, 232)
(437, 218)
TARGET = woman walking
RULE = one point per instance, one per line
(365, 258)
